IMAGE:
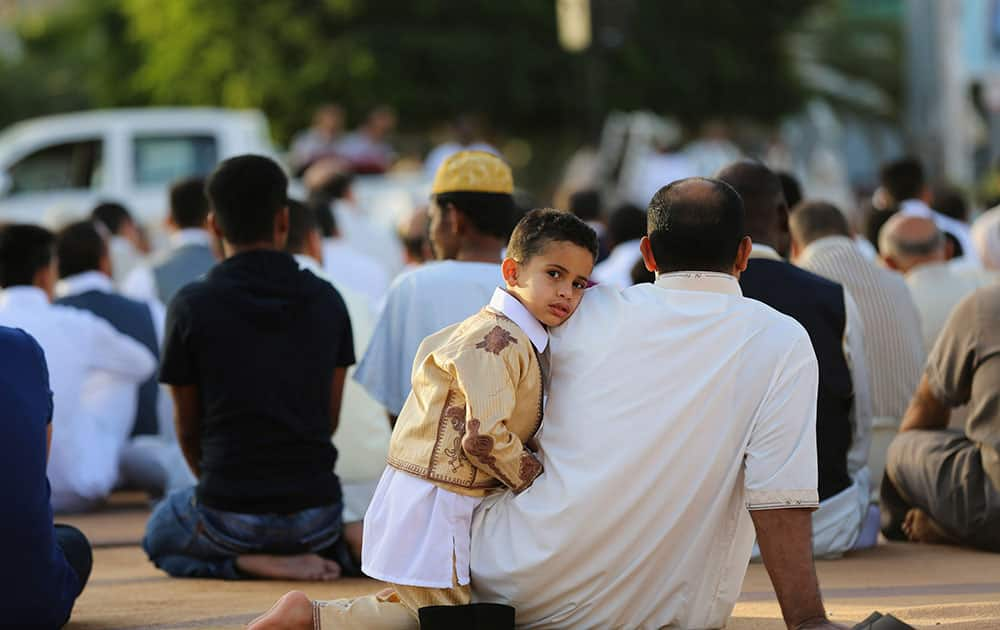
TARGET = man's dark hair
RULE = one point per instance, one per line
(336, 186)
(763, 199)
(492, 214)
(112, 215)
(188, 203)
(874, 220)
(696, 224)
(301, 221)
(586, 204)
(246, 193)
(950, 202)
(79, 248)
(790, 186)
(24, 251)
(626, 223)
(540, 227)
(813, 220)
(903, 179)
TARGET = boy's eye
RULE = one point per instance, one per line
(553, 273)
(580, 285)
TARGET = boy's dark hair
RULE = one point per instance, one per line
(540, 227)
(301, 221)
(625, 224)
(586, 204)
(700, 231)
(79, 248)
(112, 215)
(24, 250)
(493, 214)
(903, 179)
(188, 203)
(247, 192)
(335, 186)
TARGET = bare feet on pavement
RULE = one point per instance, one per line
(291, 612)
(308, 567)
(920, 527)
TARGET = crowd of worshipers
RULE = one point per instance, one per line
(264, 443)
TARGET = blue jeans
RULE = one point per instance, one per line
(187, 539)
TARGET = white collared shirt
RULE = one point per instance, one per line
(418, 304)
(676, 406)
(83, 353)
(140, 284)
(938, 287)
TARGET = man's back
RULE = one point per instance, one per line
(818, 305)
(894, 346)
(673, 408)
(261, 340)
(420, 303)
(179, 267)
(938, 287)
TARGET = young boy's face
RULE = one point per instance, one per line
(550, 284)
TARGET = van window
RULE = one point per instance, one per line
(163, 159)
(59, 167)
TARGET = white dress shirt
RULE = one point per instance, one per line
(415, 531)
(84, 355)
(348, 267)
(140, 284)
(418, 304)
(960, 230)
(362, 437)
(938, 287)
(839, 519)
(616, 269)
(702, 407)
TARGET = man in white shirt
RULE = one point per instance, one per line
(472, 213)
(915, 247)
(362, 437)
(903, 182)
(663, 452)
(85, 354)
(191, 253)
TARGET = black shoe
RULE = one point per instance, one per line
(493, 616)
(878, 621)
(446, 618)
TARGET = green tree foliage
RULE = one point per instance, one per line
(429, 58)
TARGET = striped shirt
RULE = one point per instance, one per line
(893, 340)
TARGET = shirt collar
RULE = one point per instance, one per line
(707, 281)
(915, 208)
(510, 306)
(829, 243)
(83, 282)
(190, 236)
(23, 296)
(764, 251)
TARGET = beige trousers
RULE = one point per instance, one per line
(391, 609)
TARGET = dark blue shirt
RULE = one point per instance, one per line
(37, 585)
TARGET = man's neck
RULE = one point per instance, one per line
(485, 251)
(232, 249)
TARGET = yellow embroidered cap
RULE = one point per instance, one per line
(473, 171)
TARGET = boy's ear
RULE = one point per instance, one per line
(510, 270)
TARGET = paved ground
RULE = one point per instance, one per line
(929, 587)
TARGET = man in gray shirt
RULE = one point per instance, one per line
(943, 486)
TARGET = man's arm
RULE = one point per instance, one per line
(336, 397)
(187, 419)
(925, 411)
(785, 540)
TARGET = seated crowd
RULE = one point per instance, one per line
(218, 376)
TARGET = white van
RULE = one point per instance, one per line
(57, 168)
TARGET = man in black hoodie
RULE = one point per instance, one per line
(255, 356)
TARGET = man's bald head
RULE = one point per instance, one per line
(763, 200)
(695, 224)
(908, 242)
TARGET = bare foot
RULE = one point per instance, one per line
(920, 527)
(294, 611)
(309, 567)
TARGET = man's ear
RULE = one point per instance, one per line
(742, 255)
(510, 270)
(456, 220)
(646, 248)
(889, 263)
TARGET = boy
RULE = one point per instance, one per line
(478, 396)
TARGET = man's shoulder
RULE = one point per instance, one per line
(768, 270)
(16, 342)
(444, 274)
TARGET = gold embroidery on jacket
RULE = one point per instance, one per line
(496, 340)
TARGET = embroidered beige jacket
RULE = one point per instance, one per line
(476, 399)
